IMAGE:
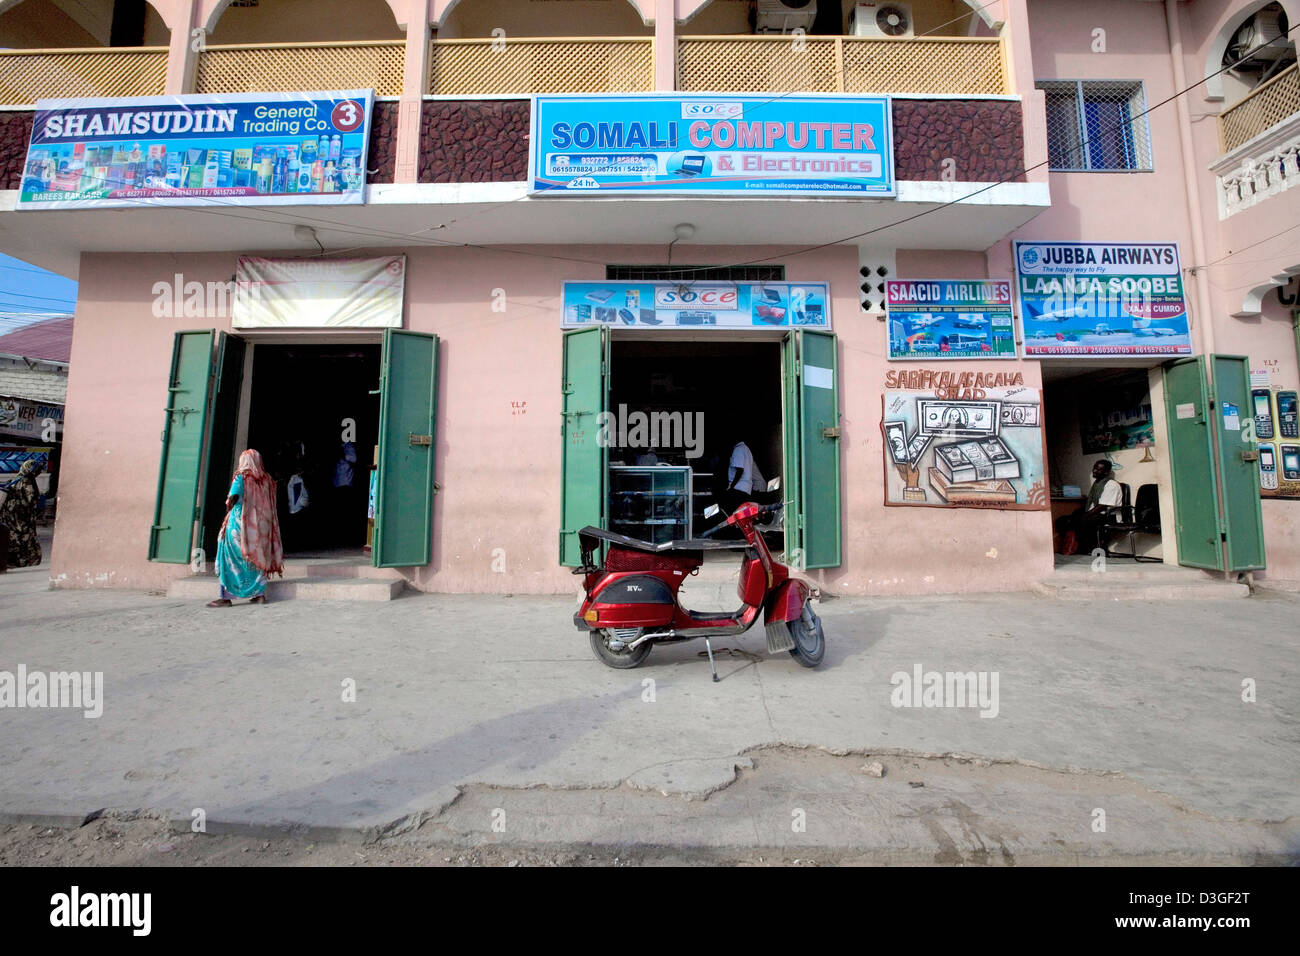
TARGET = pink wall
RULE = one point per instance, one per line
(499, 471)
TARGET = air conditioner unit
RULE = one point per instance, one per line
(782, 16)
(1256, 37)
(881, 20)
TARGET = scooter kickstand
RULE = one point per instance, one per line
(709, 647)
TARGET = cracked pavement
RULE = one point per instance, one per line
(463, 701)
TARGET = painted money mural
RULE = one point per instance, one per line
(984, 452)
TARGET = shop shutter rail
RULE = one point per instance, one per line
(1267, 105)
(972, 66)
(291, 67)
(30, 75)
(479, 67)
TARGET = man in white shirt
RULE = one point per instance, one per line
(744, 481)
(744, 475)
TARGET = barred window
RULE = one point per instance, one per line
(1096, 125)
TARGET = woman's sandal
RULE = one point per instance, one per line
(260, 599)
(219, 602)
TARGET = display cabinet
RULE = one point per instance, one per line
(652, 503)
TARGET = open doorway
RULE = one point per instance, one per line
(680, 408)
(1107, 415)
(312, 415)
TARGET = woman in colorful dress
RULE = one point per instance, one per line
(248, 547)
(18, 515)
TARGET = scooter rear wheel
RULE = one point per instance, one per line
(809, 638)
(621, 659)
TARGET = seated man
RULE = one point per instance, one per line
(1104, 497)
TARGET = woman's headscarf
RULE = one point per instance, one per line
(29, 470)
(261, 538)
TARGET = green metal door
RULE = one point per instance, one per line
(791, 450)
(1243, 522)
(584, 457)
(407, 413)
(1191, 465)
(220, 454)
(184, 430)
(811, 423)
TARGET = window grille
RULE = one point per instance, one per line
(695, 273)
(1096, 125)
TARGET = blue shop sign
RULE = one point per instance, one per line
(712, 144)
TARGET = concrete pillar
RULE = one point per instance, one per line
(181, 16)
(1020, 77)
(665, 45)
(407, 166)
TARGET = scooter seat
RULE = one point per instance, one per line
(589, 539)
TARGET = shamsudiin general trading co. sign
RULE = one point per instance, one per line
(261, 149)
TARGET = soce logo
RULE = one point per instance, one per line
(712, 110)
(700, 297)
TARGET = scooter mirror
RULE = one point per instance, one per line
(774, 484)
(711, 510)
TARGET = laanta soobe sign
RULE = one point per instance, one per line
(712, 144)
(1084, 299)
(258, 149)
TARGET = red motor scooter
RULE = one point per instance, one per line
(631, 601)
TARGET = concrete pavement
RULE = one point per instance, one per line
(1134, 708)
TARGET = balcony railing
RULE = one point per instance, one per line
(289, 67)
(1266, 106)
(30, 75)
(477, 67)
(972, 66)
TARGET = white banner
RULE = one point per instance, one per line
(320, 293)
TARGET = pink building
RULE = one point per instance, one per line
(923, 447)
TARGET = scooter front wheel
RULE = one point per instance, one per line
(809, 638)
(619, 657)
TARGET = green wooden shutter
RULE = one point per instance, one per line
(184, 430)
(810, 421)
(791, 451)
(1191, 464)
(1243, 521)
(220, 453)
(584, 458)
(819, 424)
(407, 414)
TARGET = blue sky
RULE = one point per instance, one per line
(26, 289)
